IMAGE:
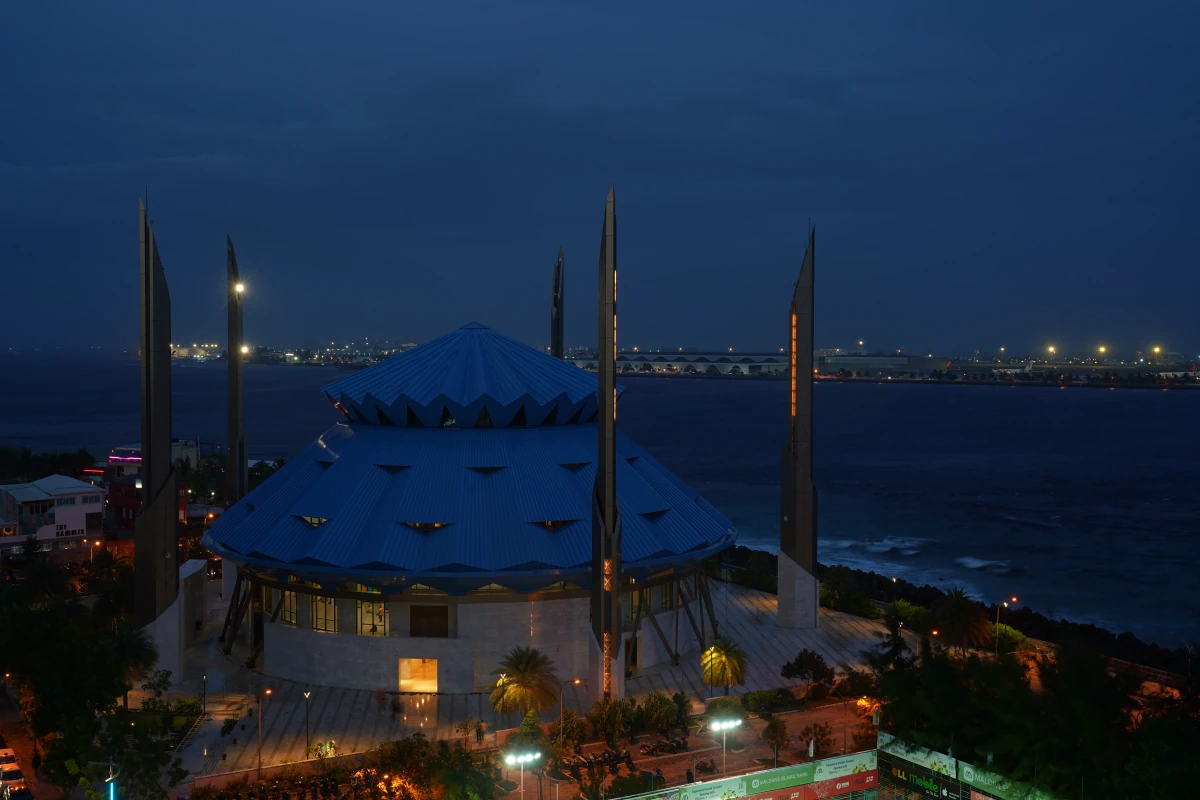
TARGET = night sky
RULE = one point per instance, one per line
(980, 174)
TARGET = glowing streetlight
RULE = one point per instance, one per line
(1103, 349)
(723, 726)
(245, 349)
(239, 287)
(521, 759)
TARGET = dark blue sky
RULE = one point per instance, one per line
(981, 174)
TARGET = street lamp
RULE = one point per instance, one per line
(521, 759)
(723, 726)
(245, 349)
(306, 739)
(260, 716)
(239, 287)
(204, 693)
(997, 636)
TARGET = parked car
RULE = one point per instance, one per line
(11, 778)
(6, 756)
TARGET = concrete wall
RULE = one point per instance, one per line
(480, 634)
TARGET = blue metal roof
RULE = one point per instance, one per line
(371, 494)
(460, 374)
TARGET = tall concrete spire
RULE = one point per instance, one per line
(556, 309)
(608, 656)
(235, 465)
(156, 567)
(798, 589)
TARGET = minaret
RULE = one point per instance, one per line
(235, 464)
(556, 309)
(798, 589)
(608, 655)
(156, 565)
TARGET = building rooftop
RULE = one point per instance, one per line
(47, 488)
(474, 377)
(379, 505)
(501, 497)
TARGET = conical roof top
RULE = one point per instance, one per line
(471, 377)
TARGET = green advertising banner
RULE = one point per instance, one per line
(724, 789)
(998, 785)
(779, 778)
(932, 760)
(843, 766)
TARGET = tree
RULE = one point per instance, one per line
(527, 682)
(775, 734)
(611, 718)
(821, 735)
(658, 711)
(809, 667)
(723, 664)
(567, 728)
(961, 621)
(136, 651)
(856, 683)
(683, 705)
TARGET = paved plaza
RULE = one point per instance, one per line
(356, 719)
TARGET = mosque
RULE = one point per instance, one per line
(475, 496)
(447, 517)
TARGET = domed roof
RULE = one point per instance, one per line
(458, 510)
(471, 377)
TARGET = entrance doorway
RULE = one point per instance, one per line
(418, 675)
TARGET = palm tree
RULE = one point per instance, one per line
(527, 682)
(961, 620)
(658, 711)
(135, 651)
(723, 664)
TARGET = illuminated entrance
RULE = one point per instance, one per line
(418, 675)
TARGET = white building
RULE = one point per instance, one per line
(58, 510)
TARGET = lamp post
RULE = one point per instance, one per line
(204, 693)
(260, 716)
(996, 636)
(521, 759)
(723, 726)
(307, 743)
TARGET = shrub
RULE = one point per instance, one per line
(188, 707)
(726, 708)
(914, 617)
(857, 603)
(763, 701)
(227, 726)
(818, 691)
(628, 785)
(1011, 639)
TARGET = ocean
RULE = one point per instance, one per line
(1085, 504)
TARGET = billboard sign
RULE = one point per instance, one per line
(836, 787)
(932, 760)
(898, 772)
(997, 785)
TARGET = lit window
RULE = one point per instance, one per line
(287, 611)
(324, 614)
(373, 616)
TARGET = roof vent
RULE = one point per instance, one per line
(555, 524)
(315, 521)
(575, 466)
(426, 526)
(485, 470)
